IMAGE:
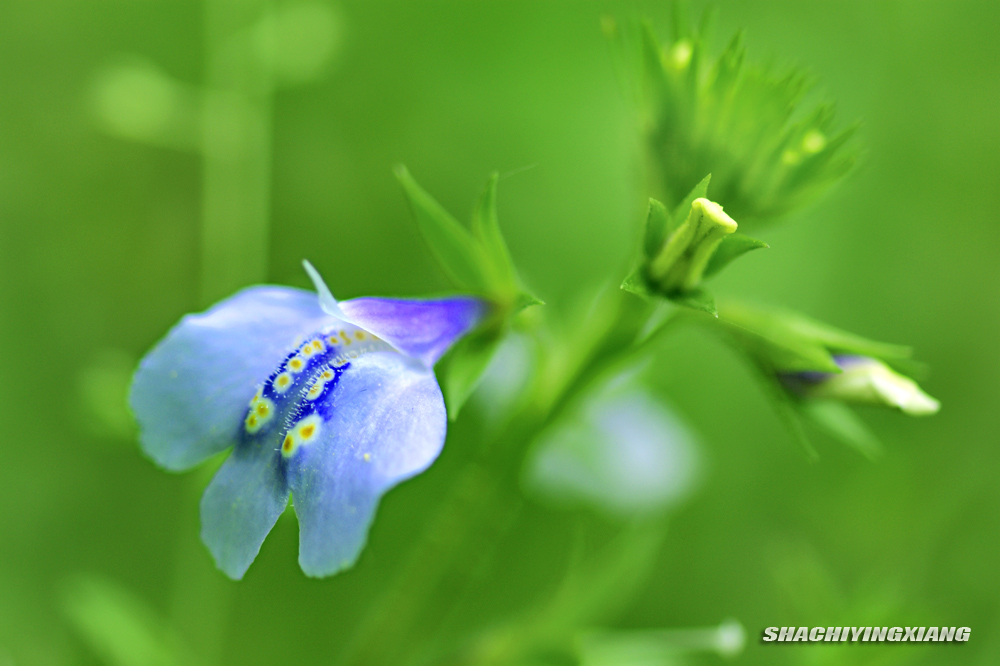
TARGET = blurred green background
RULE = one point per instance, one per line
(99, 255)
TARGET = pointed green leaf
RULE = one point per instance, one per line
(731, 247)
(657, 222)
(525, 300)
(840, 340)
(784, 407)
(464, 367)
(486, 228)
(456, 250)
(782, 352)
(698, 299)
(795, 342)
(839, 421)
(635, 283)
(680, 213)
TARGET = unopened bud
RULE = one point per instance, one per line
(681, 262)
(864, 380)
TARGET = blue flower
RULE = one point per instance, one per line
(332, 403)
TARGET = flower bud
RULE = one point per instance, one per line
(679, 265)
(863, 380)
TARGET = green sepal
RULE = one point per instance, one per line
(731, 247)
(697, 299)
(463, 367)
(486, 229)
(524, 300)
(657, 225)
(699, 191)
(457, 251)
(477, 261)
(636, 284)
(785, 407)
(842, 423)
(791, 342)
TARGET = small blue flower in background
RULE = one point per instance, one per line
(625, 454)
(332, 403)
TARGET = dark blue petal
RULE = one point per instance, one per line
(190, 393)
(242, 504)
(383, 421)
(421, 329)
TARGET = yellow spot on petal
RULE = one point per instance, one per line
(333, 340)
(289, 444)
(317, 345)
(296, 364)
(360, 335)
(261, 412)
(347, 339)
(282, 382)
(327, 375)
(368, 457)
(307, 429)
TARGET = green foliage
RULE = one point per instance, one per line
(738, 120)
(785, 341)
(732, 247)
(463, 367)
(462, 258)
(478, 262)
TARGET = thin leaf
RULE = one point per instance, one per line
(525, 300)
(784, 408)
(464, 368)
(456, 250)
(839, 421)
(486, 228)
(635, 283)
(657, 223)
(698, 299)
(731, 247)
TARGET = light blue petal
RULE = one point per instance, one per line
(241, 505)
(383, 422)
(191, 391)
(421, 329)
(625, 454)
